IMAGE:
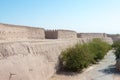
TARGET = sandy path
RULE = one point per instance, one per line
(105, 70)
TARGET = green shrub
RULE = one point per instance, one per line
(76, 58)
(116, 46)
(81, 56)
(98, 48)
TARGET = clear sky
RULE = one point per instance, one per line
(78, 15)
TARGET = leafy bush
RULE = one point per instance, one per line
(116, 46)
(76, 58)
(98, 48)
(81, 56)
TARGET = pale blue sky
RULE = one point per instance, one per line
(78, 15)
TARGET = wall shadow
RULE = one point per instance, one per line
(110, 70)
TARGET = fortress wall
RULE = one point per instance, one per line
(102, 36)
(12, 32)
(67, 34)
(36, 33)
(108, 40)
(60, 34)
(51, 34)
(32, 60)
(115, 37)
(91, 35)
(20, 32)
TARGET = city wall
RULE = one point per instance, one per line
(8, 31)
(34, 59)
(51, 34)
(60, 34)
(115, 37)
(31, 60)
(91, 35)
